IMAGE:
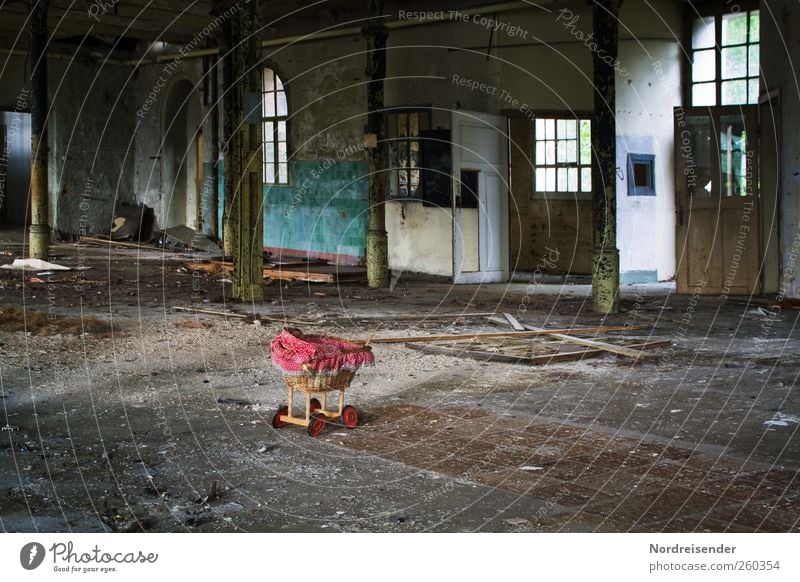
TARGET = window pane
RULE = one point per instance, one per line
(402, 125)
(733, 158)
(283, 173)
(586, 141)
(282, 152)
(754, 24)
(561, 128)
(572, 152)
(561, 152)
(734, 92)
(269, 152)
(562, 180)
(704, 94)
(642, 174)
(281, 131)
(550, 128)
(278, 83)
(283, 108)
(268, 131)
(413, 125)
(550, 180)
(269, 80)
(697, 157)
(586, 179)
(734, 62)
(269, 104)
(540, 180)
(550, 152)
(572, 129)
(704, 67)
(704, 33)
(752, 61)
(753, 91)
(734, 29)
(269, 175)
(540, 128)
(539, 153)
(572, 185)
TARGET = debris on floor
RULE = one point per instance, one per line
(34, 265)
(291, 269)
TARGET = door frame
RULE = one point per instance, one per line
(460, 120)
(685, 203)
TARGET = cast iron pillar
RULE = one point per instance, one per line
(377, 238)
(605, 272)
(39, 240)
(244, 188)
(229, 98)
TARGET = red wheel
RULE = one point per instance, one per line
(276, 420)
(316, 424)
(350, 416)
(315, 405)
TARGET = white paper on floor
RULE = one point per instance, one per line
(782, 420)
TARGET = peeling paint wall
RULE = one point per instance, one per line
(91, 137)
(420, 238)
(322, 211)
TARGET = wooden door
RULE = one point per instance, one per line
(716, 175)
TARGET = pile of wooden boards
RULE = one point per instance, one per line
(534, 346)
(291, 269)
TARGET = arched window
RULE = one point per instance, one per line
(274, 111)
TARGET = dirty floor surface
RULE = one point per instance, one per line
(153, 419)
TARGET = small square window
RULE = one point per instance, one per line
(641, 175)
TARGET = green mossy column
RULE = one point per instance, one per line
(39, 241)
(244, 189)
(377, 238)
(605, 274)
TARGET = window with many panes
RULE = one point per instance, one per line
(274, 112)
(562, 156)
(725, 59)
(405, 130)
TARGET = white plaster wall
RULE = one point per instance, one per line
(645, 224)
(420, 238)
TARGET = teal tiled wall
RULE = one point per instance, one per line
(323, 210)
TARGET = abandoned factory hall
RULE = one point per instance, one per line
(382, 267)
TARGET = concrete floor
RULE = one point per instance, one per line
(127, 429)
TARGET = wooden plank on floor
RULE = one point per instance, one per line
(466, 336)
(513, 321)
(542, 360)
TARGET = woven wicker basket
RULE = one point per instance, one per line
(310, 382)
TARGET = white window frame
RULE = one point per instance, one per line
(275, 127)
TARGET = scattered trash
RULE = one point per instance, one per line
(759, 311)
(34, 265)
(530, 468)
(782, 420)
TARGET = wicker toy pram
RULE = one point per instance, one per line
(317, 364)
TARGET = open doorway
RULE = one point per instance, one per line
(15, 166)
(480, 195)
(180, 161)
